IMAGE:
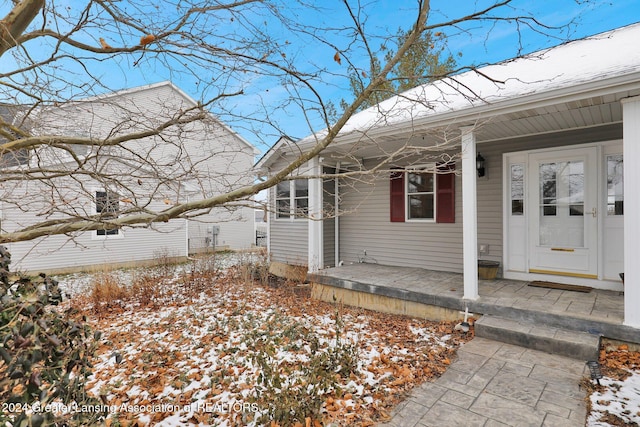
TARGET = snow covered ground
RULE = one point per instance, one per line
(616, 402)
(229, 353)
(215, 350)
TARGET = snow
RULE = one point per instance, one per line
(620, 398)
(200, 353)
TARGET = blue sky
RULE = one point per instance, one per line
(476, 43)
(481, 43)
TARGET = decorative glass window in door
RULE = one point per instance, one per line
(517, 189)
(562, 203)
(615, 193)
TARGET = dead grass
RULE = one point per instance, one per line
(149, 287)
(107, 293)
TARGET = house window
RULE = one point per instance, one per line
(283, 199)
(292, 199)
(420, 195)
(517, 189)
(423, 195)
(107, 207)
(615, 193)
(15, 158)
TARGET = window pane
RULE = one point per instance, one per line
(562, 188)
(615, 187)
(517, 189)
(108, 206)
(15, 158)
(101, 201)
(576, 210)
(517, 182)
(517, 207)
(302, 187)
(421, 206)
(302, 207)
(283, 189)
(548, 189)
(576, 182)
(420, 182)
(282, 208)
(107, 203)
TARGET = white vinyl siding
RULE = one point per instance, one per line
(367, 227)
(329, 221)
(223, 161)
(289, 237)
(61, 252)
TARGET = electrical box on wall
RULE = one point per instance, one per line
(212, 235)
(483, 249)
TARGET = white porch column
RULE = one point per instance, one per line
(469, 214)
(631, 153)
(315, 260)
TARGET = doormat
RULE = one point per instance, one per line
(561, 286)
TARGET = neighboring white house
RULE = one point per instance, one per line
(520, 162)
(189, 161)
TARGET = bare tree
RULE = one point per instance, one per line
(56, 56)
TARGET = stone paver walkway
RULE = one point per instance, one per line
(496, 384)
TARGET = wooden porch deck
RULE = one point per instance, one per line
(598, 312)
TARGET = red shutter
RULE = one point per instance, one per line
(446, 194)
(396, 189)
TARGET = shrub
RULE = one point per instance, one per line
(44, 356)
(145, 290)
(164, 262)
(107, 293)
(292, 392)
(253, 267)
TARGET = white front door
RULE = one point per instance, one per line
(563, 212)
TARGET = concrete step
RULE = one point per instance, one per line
(574, 344)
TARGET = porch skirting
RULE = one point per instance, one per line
(438, 296)
(384, 304)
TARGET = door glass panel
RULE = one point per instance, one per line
(615, 194)
(562, 204)
(548, 189)
(517, 189)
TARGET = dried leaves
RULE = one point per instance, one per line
(147, 39)
(203, 350)
(616, 401)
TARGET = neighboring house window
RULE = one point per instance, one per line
(15, 158)
(423, 195)
(615, 187)
(107, 207)
(292, 199)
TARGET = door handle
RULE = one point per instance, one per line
(594, 212)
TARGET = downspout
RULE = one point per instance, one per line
(336, 222)
(268, 209)
(186, 229)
